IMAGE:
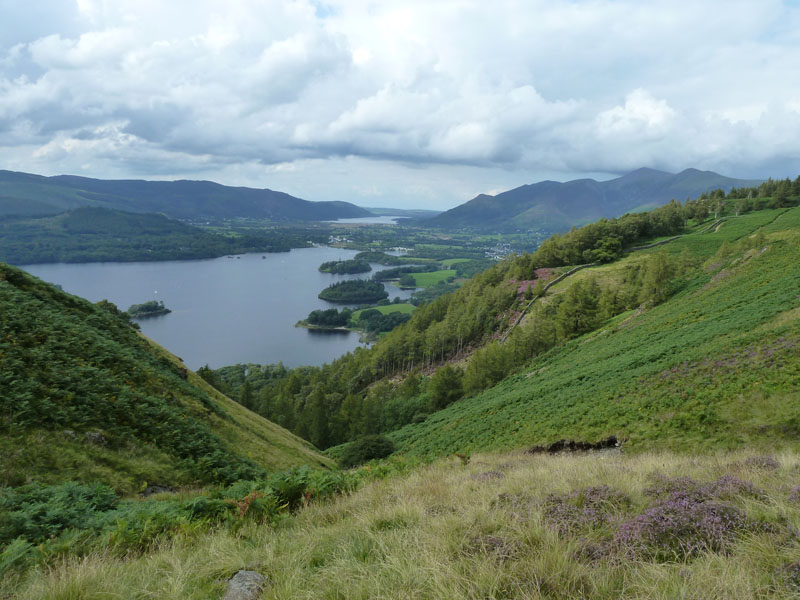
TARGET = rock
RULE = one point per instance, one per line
(70, 434)
(245, 585)
(95, 437)
(156, 489)
(573, 446)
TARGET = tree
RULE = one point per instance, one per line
(742, 206)
(246, 395)
(578, 311)
(407, 280)
(445, 386)
(658, 272)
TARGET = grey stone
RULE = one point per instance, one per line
(95, 437)
(245, 585)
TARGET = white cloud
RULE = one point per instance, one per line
(488, 93)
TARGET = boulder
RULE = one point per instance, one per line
(245, 585)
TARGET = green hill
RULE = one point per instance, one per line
(555, 206)
(24, 194)
(590, 358)
(91, 234)
(83, 396)
(714, 366)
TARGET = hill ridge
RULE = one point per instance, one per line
(27, 194)
(555, 206)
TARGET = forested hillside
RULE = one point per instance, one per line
(99, 234)
(25, 194)
(466, 342)
(83, 396)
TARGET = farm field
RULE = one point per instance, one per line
(432, 278)
(387, 309)
(453, 261)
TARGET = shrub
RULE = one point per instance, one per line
(37, 512)
(365, 449)
(590, 507)
(726, 487)
(680, 528)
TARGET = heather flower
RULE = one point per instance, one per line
(679, 528)
(729, 487)
(674, 487)
(794, 494)
(761, 461)
(590, 507)
(487, 476)
(494, 545)
(726, 487)
(791, 574)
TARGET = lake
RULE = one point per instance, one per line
(225, 310)
(375, 220)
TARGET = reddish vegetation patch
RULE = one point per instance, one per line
(544, 273)
(524, 286)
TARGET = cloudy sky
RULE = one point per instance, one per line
(410, 103)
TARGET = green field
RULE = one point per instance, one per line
(453, 261)
(432, 278)
(386, 309)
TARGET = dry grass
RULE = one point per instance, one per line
(454, 531)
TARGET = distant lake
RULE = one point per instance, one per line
(224, 310)
(376, 220)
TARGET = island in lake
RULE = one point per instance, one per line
(355, 291)
(153, 308)
(345, 267)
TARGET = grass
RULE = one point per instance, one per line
(432, 278)
(487, 530)
(453, 261)
(712, 367)
(386, 309)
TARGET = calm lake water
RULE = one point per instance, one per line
(224, 310)
(376, 220)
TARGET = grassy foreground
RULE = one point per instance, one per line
(504, 526)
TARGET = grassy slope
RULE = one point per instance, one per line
(253, 436)
(432, 278)
(68, 368)
(716, 365)
(477, 532)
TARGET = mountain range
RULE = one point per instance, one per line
(24, 194)
(555, 206)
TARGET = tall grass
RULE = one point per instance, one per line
(481, 531)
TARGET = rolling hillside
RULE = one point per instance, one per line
(84, 397)
(24, 194)
(716, 365)
(554, 206)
